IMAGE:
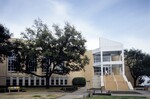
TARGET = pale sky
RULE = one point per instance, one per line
(125, 21)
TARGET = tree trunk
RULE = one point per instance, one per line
(134, 81)
(47, 82)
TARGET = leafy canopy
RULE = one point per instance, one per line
(59, 52)
(138, 63)
(5, 45)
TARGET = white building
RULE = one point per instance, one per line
(109, 64)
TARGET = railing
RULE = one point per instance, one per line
(128, 83)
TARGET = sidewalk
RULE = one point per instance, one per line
(77, 94)
(141, 93)
(80, 94)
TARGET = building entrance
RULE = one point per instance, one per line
(107, 70)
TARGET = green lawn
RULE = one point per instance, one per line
(43, 89)
(116, 97)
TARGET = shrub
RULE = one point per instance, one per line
(79, 81)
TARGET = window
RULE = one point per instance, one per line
(57, 82)
(106, 58)
(14, 81)
(52, 81)
(37, 81)
(45, 62)
(97, 70)
(32, 82)
(32, 65)
(8, 81)
(61, 82)
(97, 58)
(11, 66)
(42, 82)
(65, 81)
(20, 81)
(26, 81)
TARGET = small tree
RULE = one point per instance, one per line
(5, 45)
(138, 63)
(57, 52)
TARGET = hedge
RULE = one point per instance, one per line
(79, 81)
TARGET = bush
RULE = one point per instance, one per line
(79, 81)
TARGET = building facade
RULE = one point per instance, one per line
(106, 61)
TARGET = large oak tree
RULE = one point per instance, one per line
(57, 52)
(138, 63)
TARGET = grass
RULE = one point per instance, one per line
(51, 96)
(38, 89)
(44, 97)
(36, 96)
(116, 97)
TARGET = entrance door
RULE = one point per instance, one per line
(107, 70)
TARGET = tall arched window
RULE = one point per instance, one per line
(11, 66)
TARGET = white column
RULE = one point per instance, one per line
(11, 80)
(49, 81)
(23, 81)
(54, 80)
(29, 81)
(40, 81)
(101, 53)
(123, 67)
(17, 79)
(59, 81)
(102, 81)
(34, 80)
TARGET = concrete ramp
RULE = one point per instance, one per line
(115, 82)
(110, 83)
(122, 84)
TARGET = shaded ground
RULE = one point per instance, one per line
(115, 97)
(56, 93)
(30, 95)
(125, 92)
(39, 89)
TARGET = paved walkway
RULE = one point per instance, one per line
(28, 95)
(80, 94)
(77, 94)
(141, 93)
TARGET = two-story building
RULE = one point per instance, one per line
(106, 68)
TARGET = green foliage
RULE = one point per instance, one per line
(5, 45)
(79, 81)
(59, 52)
(138, 63)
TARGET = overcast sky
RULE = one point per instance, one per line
(125, 21)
